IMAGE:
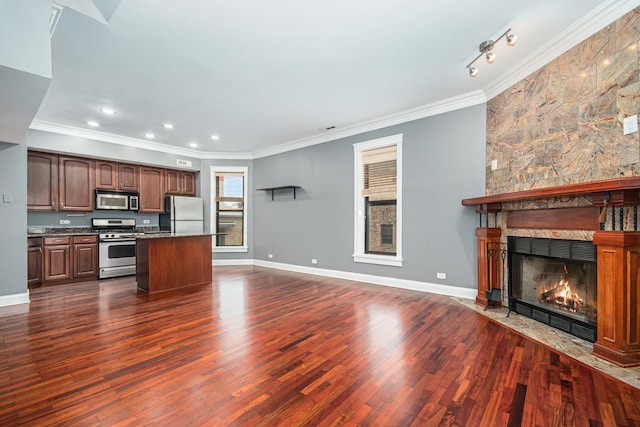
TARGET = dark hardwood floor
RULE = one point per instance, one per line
(265, 347)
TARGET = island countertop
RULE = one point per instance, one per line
(168, 234)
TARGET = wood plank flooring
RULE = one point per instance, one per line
(263, 347)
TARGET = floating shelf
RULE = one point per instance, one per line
(284, 187)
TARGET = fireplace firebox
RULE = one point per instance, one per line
(555, 282)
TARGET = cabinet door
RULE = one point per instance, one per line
(151, 190)
(85, 260)
(34, 262)
(106, 175)
(57, 262)
(173, 184)
(189, 183)
(42, 181)
(128, 177)
(76, 181)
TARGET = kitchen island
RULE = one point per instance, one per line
(167, 261)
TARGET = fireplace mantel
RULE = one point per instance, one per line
(618, 253)
(621, 191)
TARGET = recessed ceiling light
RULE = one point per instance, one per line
(193, 144)
(93, 124)
(215, 137)
(108, 111)
(149, 135)
(168, 125)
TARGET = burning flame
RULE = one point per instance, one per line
(562, 296)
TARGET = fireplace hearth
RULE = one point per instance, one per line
(555, 282)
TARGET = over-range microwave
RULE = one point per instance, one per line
(116, 200)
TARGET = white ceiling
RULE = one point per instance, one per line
(261, 74)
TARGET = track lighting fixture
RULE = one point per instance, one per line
(486, 49)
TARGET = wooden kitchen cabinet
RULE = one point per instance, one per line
(76, 182)
(42, 181)
(57, 258)
(116, 176)
(128, 177)
(85, 257)
(181, 183)
(70, 258)
(57, 183)
(151, 190)
(34, 260)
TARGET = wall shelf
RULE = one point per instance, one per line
(283, 187)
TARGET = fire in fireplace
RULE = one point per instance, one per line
(555, 282)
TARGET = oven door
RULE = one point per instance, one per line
(117, 253)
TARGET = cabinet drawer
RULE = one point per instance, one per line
(85, 239)
(34, 242)
(65, 240)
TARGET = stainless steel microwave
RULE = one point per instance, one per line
(116, 200)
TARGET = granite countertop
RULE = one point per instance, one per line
(59, 231)
(76, 231)
(168, 234)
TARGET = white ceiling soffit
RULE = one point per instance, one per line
(100, 10)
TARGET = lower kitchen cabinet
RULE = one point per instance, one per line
(34, 261)
(85, 257)
(70, 258)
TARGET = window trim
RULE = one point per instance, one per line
(212, 223)
(359, 254)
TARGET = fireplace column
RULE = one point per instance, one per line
(618, 297)
(488, 274)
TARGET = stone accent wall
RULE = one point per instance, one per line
(563, 123)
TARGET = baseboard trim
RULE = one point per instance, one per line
(412, 285)
(233, 262)
(15, 299)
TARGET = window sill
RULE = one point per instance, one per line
(229, 249)
(393, 261)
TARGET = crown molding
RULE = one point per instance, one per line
(131, 142)
(450, 104)
(591, 23)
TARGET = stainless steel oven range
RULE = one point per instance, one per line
(117, 246)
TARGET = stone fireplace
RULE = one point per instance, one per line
(555, 282)
(559, 272)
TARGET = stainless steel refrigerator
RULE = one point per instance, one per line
(183, 215)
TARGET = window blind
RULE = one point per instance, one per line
(380, 173)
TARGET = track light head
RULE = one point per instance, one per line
(486, 49)
(491, 56)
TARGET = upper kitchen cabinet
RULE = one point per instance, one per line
(42, 181)
(59, 183)
(180, 182)
(76, 182)
(151, 189)
(116, 176)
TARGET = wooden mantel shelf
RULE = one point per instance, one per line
(620, 185)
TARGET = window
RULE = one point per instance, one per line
(228, 213)
(378, 207)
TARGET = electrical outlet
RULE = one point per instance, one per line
(494, 164)
(630, 124)
(314, 261)
(146, 221)
(65, 221)
(270, 255)
(441, 275)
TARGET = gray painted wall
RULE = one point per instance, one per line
(13, 219)
(443, 162)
